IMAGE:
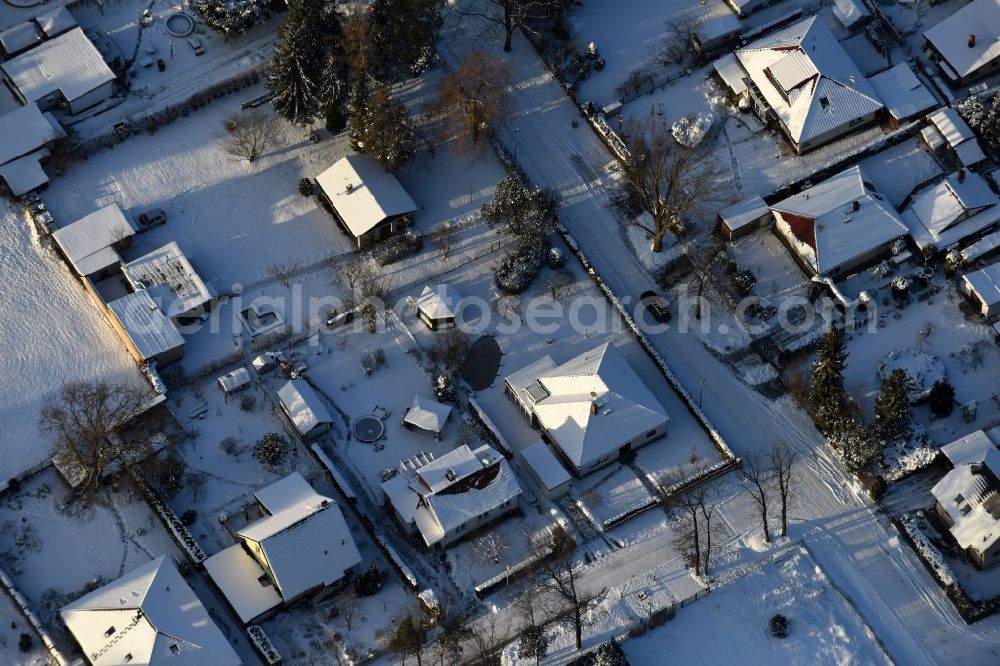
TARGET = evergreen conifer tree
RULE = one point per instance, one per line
(385, 135)
(892, 407)
(359, 111)
(293, 81)
(826, 389)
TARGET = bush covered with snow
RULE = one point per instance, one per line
(744, 282)
(231, 16)
(271, 449)
(515, 271)
(398, 247)
(928, 552)
(690, 130)
(922, 371)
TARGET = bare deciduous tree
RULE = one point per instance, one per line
(757, 480)
(783, 459)
(558, 284)
(676, 48)
(247, 135)
(451, 348)
(350, 611)
(444, 237)
(474, 96)
(491, 547)
(697, 502)
(348, 269)
(557, 573)
(486, 637)
(507, 16)
(666, 179)
(85, 421)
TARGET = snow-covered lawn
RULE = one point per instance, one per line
(466, 562)
(731, 624)
(612, 492)
(52, 333)
(14, 625)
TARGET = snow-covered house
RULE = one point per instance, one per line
(368, 201)
(55, 22)
(839, 225)
(593, 408)
(18, 38)
(299, 546)
(67, 70)
(967, 498)
(948, 128)
(168, 276)
(426, 415)
(966, 45)
(437, 306)
(148, 617)
(446, 498)
(959, 208)
(716, 32)
(982, 287)
(26, 134)
(544, 469)
(305, 408)
(802, 79)
(902, 93)
(148, 333)
(92, 243)
(744, 217)
(851, 14)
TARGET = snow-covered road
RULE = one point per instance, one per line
(854, 543)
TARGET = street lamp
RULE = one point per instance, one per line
(516, 131)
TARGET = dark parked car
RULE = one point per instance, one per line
(153, 217)
(656, 305)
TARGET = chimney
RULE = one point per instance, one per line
(856, 205)
(593, 408)
(972, 39)
(961, 175)
(450, 474)
(350, 187)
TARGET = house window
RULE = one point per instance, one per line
(109, 632)
(824, 102)
(174, 648)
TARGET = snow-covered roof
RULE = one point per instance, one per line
(305, 539)
(363, 193)
(565, 398)
(950, 37)
(149, 329)
(850, 219)
(970, 495)
(237, 574)
(744, 213)
(715, 27)
(24, 130)
(171, 279)
(25, 173)
(970, 153)
(951, 210)
(731, 72)
(902, 92)
(984, 245)
(148, 616)
(933, 137)
(546, 466)
(439, 301)
(973, 447)
(55, 21)
(986, 284)
(70, 64)
(19, 37)
(304, 406)
(808, 79)
(951, 125)
(87, 243)
(234, 380)
(850, 12)
(427, 414)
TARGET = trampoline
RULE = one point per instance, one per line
(180, 24)
(368, 428)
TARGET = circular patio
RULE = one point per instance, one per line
(368, 428)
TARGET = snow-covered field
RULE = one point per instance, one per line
(52, 333)
(730, 625)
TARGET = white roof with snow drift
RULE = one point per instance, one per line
(439, 302)
(986, 284)
(69, 64)
(952, 210)
(902, 92)
(840, 233)
(951, 125)
(149, 329)
(149, 616)
(973, 447)
(364, 193)
(25, 173)
(563, 398)
(19, 37)
(427, 414)
(950, 37)
(744, 213)
(171, 279)
(850, 12)
(304, 406)
(808, 79)
(87, 242)
(971, 499)
(55, 21)
(305, 539)
(546, 466)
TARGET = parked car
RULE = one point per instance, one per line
(656, 305)
(151, 218)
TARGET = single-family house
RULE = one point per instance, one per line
(744, 217)
(299, 546)
(148, 617)
(449, 497)
(168, 276)
(367, 201)
(66, 70)
(947, 128)
(305, 408)
(982, 287)
(26, 134)
(959, 208)
(966, 45)
(544, 469)
(967, 498)
(593, 408)
(92, 243)
(801, 80)
(838, 226)
(437, 306)
(902, 93)
(426, 415)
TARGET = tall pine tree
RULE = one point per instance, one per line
(402, 34)
(292, 79)
(359, 111)
(892, 407)
(385, 134)
(826, 389)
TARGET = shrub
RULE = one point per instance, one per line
(271, 449)
(877, 486)
(942, 399)
(231, 16)
(744, 282)
(305, 187)
(778, 626)
(24, 643)
(398, 247)
(188, 517)
(168, 474)
(515, 271)
(231, 447)
(368, 583)
(248, 402)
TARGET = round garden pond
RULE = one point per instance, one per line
(368, 428)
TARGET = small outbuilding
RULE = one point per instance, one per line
(305, 408)
(426, 415)
(233, 382)
(18, 39)
(851, 14)
(983, 289)
(740, 219)
(545, 471)
(902, 93)
(91, 244)
(437, 306)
